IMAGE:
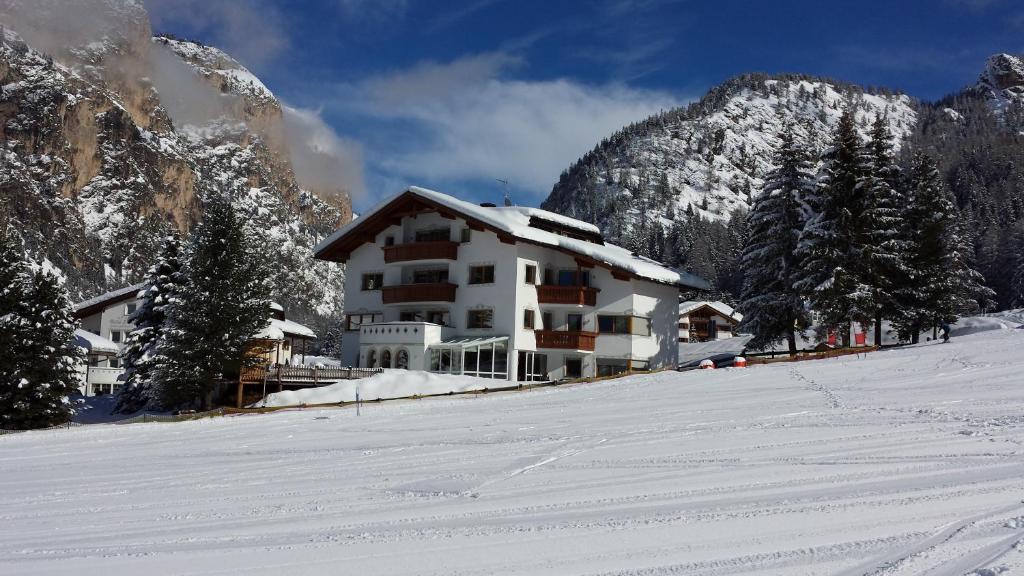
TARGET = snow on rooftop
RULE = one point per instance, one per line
(94, 343)
(278, 329)
(551, 217)
(516, 221)
(112, 295)
(720, 307)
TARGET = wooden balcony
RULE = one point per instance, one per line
(439, 292)
(576, 295)
(421, 251)
(566, 340)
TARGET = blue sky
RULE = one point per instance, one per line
(454, 95)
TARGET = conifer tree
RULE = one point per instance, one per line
(885, 241)
(163, 282)
(772, 307)
(38, 369)
(941, 283)
(832, 242)
(224, 300)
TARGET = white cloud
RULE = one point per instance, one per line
(480, 125)
(323, 160)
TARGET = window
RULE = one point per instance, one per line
(480, 318)
(481, 274)
(115, 362)
(528, 319)
(612, 366)
(373, 281)
(684, 326)
(436, 276)
(574, 322)
(385, 359)
(465, 235)
(371, 358)
(354, 321)
(549, 276)
(573, 367)
(574, 278)
(389, 240)
(548, 321)
(531, 274)
(624, 325)
(438, 317)
(410, 316)
(402, 359)
(532, 367)
(115, 335)
(641, 365)
(434, 235)
(130, 308)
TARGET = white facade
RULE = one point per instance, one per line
(107, 316)
(630, 323)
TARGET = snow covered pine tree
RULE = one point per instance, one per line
(832, 242)
(886, 243)
(224, 300)
(163, 282)
(37, 329)
(941, 285)
(772, 307)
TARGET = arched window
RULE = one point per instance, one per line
(402, 359)
(371, 358)
(385, 359)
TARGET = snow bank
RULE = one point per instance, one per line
(390, 384)
(976, 324)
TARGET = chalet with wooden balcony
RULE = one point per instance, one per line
(514, 293)
(702, 321)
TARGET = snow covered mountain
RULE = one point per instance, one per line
(1002, 83)
(711, 156)
(110, 137)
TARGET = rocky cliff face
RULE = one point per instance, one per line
(110, 140)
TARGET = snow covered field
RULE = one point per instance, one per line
(902, 462)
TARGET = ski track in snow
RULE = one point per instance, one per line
(896, 463)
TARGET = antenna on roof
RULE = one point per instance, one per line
(508, 197)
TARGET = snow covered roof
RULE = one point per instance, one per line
(293, 328)
(279, 329)
(552, 217)
(94, 343)
(276, 307)
(514, 222)
(720, 307)
(99, 303)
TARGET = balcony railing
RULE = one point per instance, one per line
(578, 295)
(439, 292)
(441, 250)
(565, 340)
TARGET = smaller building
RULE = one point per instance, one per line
(106, 321)
(703, 321)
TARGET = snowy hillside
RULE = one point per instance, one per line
(112, 137)
(712, 156)
(902, 462)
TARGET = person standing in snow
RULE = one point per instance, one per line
(945, 332)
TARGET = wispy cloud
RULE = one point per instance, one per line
(253, 32)
(474, 123)
(446, 19)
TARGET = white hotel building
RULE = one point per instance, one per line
(435, 283)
